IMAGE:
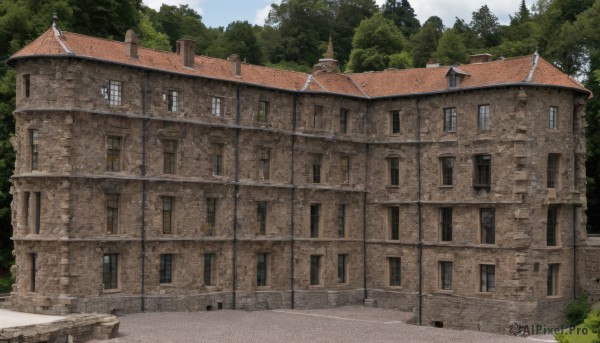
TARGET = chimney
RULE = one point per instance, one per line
(236, 65)
(432, 63)
(327, 64)
(480, 58)
(186, 50)
(131, 42)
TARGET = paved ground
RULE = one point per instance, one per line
(10, 319)
(345, 324)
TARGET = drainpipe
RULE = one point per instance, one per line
(419, 210)
(292, 219)
(143, 171)
(365, 295)
(575, 251)
(235, 192)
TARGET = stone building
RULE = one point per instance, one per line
(148, 180)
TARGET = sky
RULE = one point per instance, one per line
(217, 13)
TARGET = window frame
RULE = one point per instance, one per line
(552, 170)
(169, 156)
(26, 85)
(265, 164)
(33, 256)
(173, 101)
(112, 213)
(342, 268)
(168, 203)
(553, 280)
(315, 217)
(34, 139)
(341, 220)
(262, 271)
(487, 225)
(216, 106)
(552, 226)
(317, 122)
(344, 114)
(483, 171)
(553, 118)
(487, 278)
(450, 119)
(394, 171)
(211, 215)
(208, 269)
(261, 217)
(113, 153)
(446, 224)
(317, 165)
(484, 118)
(115, 93)
(38, 211)
(394, 271)
(110, 271)
(447, 174)
(315, 270)
(263, 111)
(395, 122)
(345, 170)
(445, 275)
(394, 223)
(217, 159)
(165, 270)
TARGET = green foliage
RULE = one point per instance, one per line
(451, 49)
(593, 323)
(348, 15)
(403, 16)
(150, 37)
(290, 65)
(104, 18)
(367, 60)
(485, 24)
(401, 60)
(6, 283)
(424, 44)
(577, 310)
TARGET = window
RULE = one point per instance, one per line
(38, 211)
(553, 160)
(318, 117)
(551, 226)
(263, 112)
(317, 160)
(166, 268)
(112, 213)
(483, 171)
(395, 121)
(394, 167)
(167, 215)
(33, 261)
(450, 119)
(26, 210)
(173, 101)
(452, 79)
(208, 269)
(394, 270)
(344, 120)
(394, 222)
(345, 170)
(483, 119)
(552, 281)
(34, 149)
(265, 164)
(216, 107)
(446, 275)
(315, 270)
(261, 217)
(487, 225)
(169, 153)
(110, 271)
(113, 153)
(553, 117)
(217, 159)
(211, 215)
(314, 220)
(447, 171)
(115, 93)
(342, 268)
(261, 270)
(341, 221)
(446, 224)
(26, 85)
(487, 278)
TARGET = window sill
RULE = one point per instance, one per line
(111, 291)
(486, 294)
(446, 186)
(443, 292)
(554, 297)
(393, 186)
(168, 285)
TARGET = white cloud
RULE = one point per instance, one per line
(261, 15)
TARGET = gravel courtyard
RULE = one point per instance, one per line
(345, 324)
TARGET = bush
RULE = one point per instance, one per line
(577, 310)
(593, 323)
(6, 283)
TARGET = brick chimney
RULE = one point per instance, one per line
(236, 65)
(131, 42)
(186, 50)
(480, 58)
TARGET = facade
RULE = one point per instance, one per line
(157, 181)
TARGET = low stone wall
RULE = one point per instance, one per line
(74, 328)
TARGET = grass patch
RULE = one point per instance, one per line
(577, 335)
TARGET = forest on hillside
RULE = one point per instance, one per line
(366, 37)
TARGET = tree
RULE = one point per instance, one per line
(521, 37)
(348, 15)
(425, 43)
(304, 26)
(239, 38)
(451, 49)
(403, 15)
(105, 18)
(182, 22)
(375, 40)
(485, 24)
(150, 37)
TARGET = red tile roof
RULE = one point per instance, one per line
(370, 84)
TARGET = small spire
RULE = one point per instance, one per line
(329, 53)
(54, 19)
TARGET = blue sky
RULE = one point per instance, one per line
(222, 12)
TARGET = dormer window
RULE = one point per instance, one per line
(455, 76)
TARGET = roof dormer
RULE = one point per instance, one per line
(455, 76)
